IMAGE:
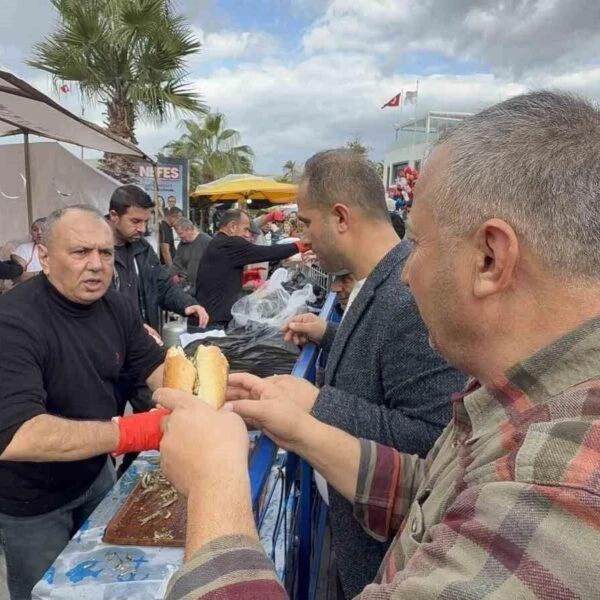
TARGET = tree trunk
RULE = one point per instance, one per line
(120, 120)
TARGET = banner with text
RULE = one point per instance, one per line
(172, 183)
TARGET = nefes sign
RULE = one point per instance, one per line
(172, 182)
(164, 171)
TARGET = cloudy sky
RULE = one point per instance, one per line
(298, 76)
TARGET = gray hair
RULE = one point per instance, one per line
(345, 176)
(39, 221)
(54, 218)
(184, 224)
(534, 162)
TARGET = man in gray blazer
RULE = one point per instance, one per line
(383, 381)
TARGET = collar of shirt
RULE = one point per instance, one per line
(570, 361)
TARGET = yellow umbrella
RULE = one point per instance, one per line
(241, 188)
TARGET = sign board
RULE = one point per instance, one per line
(172, 182)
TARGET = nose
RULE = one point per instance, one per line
(94, 261)
(141, 228)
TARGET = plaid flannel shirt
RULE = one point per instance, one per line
(506, 505)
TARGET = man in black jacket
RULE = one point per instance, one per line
(219, 278)
(138, 272)
(139, 275)
(382, 382)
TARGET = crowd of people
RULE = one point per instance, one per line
(453, 430)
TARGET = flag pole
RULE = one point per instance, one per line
(401, 106)
(412, 147)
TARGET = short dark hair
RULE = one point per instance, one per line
(126, 196)
(341, 175)
(398, 224)
(173, 212)
(232, 215)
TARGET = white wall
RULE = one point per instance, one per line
(396, 155)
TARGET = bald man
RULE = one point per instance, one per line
(58, 370)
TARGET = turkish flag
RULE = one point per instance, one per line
(395, 101)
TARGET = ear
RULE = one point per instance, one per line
(497, 250)
(43, 256)
(113, 216)
(341, 217)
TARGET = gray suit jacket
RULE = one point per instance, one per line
(383, 382)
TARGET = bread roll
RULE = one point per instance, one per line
(213, 369)
(205, 376)
(179, 372)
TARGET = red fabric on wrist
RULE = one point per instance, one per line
(140, 432)
(302, 248)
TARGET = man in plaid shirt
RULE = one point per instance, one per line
(506, 274)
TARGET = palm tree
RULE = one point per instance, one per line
(290, 171)
(127, 54)
(212, 149)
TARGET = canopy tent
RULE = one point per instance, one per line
(58, 178)
(25, 110)
(242, 188)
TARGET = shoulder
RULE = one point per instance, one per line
(23, 248)
(24, 308)
(556, 443)
(24, 296)
(391, 294)
(145, 251)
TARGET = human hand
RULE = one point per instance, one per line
(309, 258)
(198, 441)
(197, 311)
(305, 328)
(153, 334)
(268, 406)
(243, 386)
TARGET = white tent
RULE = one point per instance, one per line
(25, 110)
(58, 178)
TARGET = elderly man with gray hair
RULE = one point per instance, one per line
(506, 274)
(189, 252)
(58, 371)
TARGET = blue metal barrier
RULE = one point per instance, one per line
(303, 533)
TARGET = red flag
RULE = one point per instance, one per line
(395, 101)
(64, 88)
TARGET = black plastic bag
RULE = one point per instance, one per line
(262, 354)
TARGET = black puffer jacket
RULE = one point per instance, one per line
(157, 290)
(10, 269)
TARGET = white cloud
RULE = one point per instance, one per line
(289, 105)
(245, 45)
(514, 37)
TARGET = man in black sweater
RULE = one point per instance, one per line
(219, 278)
(58, 371)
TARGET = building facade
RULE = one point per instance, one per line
(414, 140)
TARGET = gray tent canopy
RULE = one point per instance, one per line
(25, 110)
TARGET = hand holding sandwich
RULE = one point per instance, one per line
(205, 376)
(199, 442)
